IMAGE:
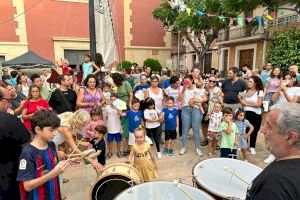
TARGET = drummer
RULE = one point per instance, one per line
(281, 178)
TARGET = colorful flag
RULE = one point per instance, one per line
(259, 20)
(240, 21)
(200, 13)
(269, 17)
(188, 10)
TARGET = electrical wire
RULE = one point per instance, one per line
(34, 5)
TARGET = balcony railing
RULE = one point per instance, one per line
(182, 49)
(239, 33)
(285, 20)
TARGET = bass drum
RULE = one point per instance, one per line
(114, 179)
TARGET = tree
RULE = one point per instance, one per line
(153, 64)
(270, 5)
(124, 65)
(199, 29)
(285, 50)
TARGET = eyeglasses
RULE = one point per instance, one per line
(8, 100)
(211, 81)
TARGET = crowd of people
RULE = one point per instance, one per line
(223, 112)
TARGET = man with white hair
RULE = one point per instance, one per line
(281, 179)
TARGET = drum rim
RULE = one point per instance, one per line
(164, 181)
(106, 182)
(206, 188)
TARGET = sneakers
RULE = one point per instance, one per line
(159, 155)
(252, 151)
(171, 152)
(166, 151)
(182, 151)
(270, 159)
(199, 152)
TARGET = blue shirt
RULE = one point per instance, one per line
(165, 84)
(135, 119)
(170, 118)
(141, 87)
(242, 126)
(264, 75)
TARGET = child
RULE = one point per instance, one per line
(213, 134)
(134, 116)
(229, 133)
(113, 127)
(242, 124)
(139, 152)
(107, 92)
(38, 172)
(152, 122)
(197, 96)
(272, 84)
(98, 143)
(89, 129)
(171, 125)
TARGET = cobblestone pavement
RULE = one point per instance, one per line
(81, 178)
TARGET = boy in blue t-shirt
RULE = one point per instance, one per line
(171, 125)
(38, 169)
(135, 117)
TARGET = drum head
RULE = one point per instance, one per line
(109, 187)
(163, 190)
(211, 175)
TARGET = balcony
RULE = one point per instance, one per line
(182, 49)
(285, 20)
(238, 35)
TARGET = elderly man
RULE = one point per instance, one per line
(281, 179)
(12, 135)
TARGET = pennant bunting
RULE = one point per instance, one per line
(259, 20)
(249, 19)
(221, 17)
(269, 17)
(230, 22)
(210, 15)
(240, 21)
(188, 10)
(200, 13)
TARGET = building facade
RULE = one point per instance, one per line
(57, 29)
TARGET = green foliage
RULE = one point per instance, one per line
(285, 50)
(153, 64)
(124, 65)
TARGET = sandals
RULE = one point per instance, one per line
(204, 143)
(109, 155)
(119, 154)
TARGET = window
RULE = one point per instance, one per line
(2, 59)
(75, 57)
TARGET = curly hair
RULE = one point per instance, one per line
(44, 118)
(87, 80)
(258, 83)
(77, 120)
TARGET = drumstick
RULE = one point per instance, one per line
(236, 175)
(175, 182)
(74, 149)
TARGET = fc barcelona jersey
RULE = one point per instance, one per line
(35, 163)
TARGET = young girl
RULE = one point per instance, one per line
(152, 122)
(88, 67)
(272, 84)
(140, 151)
(213, 135)
(242, 125)
(113, 127)
(107, 92)
(89, 129)
(34, 103)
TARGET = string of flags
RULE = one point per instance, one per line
(233, 21)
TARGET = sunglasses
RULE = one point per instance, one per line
(211, 81)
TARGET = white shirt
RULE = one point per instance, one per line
(192, 93)
(174, 93)
(254, 99)
(59, 138)
(215, 121)
(158, 99)
(151, 114)
(291, 91)
(113, 120)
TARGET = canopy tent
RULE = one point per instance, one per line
(28, 59)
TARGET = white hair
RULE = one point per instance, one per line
(288, 119)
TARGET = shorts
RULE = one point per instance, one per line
(114, 137)
(170, 135)
(228, 153)
(243, 143)
(131, 139)
(211, 136)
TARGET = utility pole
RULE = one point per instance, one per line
(92, 29)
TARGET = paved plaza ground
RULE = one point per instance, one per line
(169, 168)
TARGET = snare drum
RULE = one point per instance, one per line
(163, 190)
(114, 179)
(214, 176)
